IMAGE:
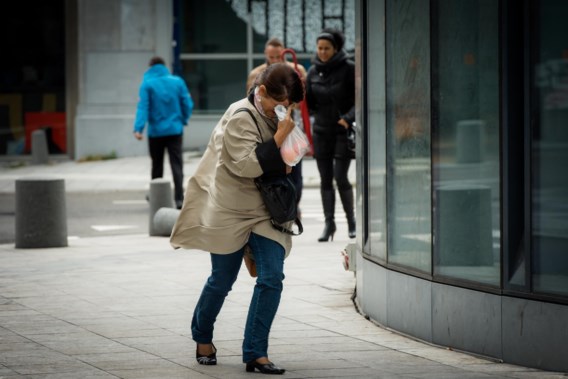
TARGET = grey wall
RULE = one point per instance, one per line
(116, 40)
(520, 331)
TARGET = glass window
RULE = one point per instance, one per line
(465, 93)
(376, 132)
(32, 76)
(215, 84)
(408, 133)
(549, 150)
(231, 31)
(204, 26)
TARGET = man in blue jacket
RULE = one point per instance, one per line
(166, 105)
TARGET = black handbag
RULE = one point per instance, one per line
(278, 194)
(351, 137)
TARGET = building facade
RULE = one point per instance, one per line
(462, 188)
(76, 65)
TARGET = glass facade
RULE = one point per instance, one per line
(549, 149)
(408, 134)
(465, 107)
(377, 217)
(220, 41)
(465, 148)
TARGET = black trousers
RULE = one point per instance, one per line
(173, 144)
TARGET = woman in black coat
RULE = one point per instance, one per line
(330, 93)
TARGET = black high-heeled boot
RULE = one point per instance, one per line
(328, 202)
(328, 231)
(346, 197)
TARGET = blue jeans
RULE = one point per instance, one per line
(269, 258)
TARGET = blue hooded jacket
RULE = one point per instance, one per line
(165, 103)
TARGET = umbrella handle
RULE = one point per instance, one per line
(293, 53)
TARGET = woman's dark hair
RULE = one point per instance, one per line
(282, 82)
(334, 36)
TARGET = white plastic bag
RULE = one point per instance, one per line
(296, 144)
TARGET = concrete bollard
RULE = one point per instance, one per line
(41, 215)
(470, 141)
(40, 152)
(160, 197)
(164, 221)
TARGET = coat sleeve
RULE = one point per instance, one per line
(142, 109)
(186, 102)
(310, 98)
(349, 116)
(269, 157)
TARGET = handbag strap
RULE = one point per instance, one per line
(253, 118)
(274, 224)
(289, 231)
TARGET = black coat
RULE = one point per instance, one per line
(330, 93)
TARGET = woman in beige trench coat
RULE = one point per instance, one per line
(224, 214)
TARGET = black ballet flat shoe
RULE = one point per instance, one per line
(208, 360)
(265, 368)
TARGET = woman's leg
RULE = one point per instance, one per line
(345, 189)
(269, 258)
(325, 168)
(224, 272)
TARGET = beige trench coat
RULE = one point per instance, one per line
(222, 204)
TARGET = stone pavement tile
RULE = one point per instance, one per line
(107, 327)
(453, 374)
(319, 364)
(130, 363)
(68, 366)
(506, 369)
(174, 372)
(383, 358)
(444, 355)
(84, 337)
(5, 371)
(7, 340)
(139, 342)
(168, 350)
(353, 372)
(356, 326)
(80, 347)
(301, 333)
(398, 342)
(88, 374)
(537, 375)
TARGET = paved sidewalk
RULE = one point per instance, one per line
(120, 307)
(132, 173)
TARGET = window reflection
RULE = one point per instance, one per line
(549, 152)
(408, 132)
(465, 71)
(204, 26)
(215, 84)
(376, 133)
